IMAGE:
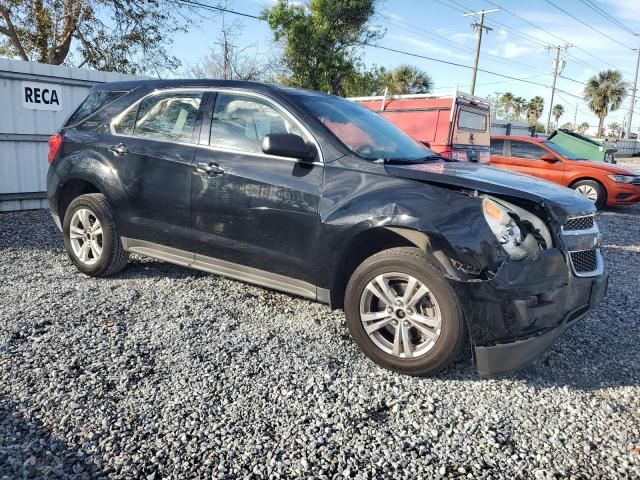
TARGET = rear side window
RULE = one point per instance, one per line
(94, 102)
(526, 150)
(168, 117)
(497, 147)
(472, 120)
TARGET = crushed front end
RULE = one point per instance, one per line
(518, 311)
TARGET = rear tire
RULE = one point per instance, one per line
(593, 190)
(91, 236)
(415, 335)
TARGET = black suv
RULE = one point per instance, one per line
(320, 197)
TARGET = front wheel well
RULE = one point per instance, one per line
(73, 189)
(591, 179)
(363, 246)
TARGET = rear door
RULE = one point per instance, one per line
(249, 208)
(470, 137)
(152, 145)
(525, 157)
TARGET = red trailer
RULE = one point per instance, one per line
(456, 126)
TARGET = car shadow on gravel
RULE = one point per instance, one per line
(28, 450)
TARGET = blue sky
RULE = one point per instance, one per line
(429, 28)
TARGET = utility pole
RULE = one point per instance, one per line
(556, 67)
(633, 93)
(479, 26)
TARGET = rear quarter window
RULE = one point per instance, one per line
(94, 102)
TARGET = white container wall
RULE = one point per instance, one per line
(35, 100)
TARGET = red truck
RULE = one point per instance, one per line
(456, 126)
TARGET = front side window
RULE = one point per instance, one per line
(241, 122)
(526, 150)
(363, 131)
(168, 117)
(469, 120)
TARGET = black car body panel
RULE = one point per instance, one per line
(299, 223)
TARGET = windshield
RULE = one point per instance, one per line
(363, 131)
(568, 154)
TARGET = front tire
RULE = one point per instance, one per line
(403, 314)
(593, 190)
(91, 236)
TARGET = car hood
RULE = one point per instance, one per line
(561, 202)
(607, 167)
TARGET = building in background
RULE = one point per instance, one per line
(35, 100)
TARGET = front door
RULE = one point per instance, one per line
(249, 208)
(152, 147)
(526, 157)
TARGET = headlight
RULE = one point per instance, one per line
(503, 227)
(622, 178)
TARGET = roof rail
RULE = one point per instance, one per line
(418, 96)
(396, 97)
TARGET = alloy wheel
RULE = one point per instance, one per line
(400, 315)
(588, 191)
(85, 233)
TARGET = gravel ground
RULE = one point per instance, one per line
(164, 372)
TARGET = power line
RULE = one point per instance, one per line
(441, 39)
(449, 87)
(595, 69)
(587, 25)
(604, 14)
(217, 9)
(571, 80)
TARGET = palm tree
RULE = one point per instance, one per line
(506, 100)
(604, 93)
(534, 109)
(557, 112)
(583, 127)
(519, 106)
(408, 79)
(614, 129)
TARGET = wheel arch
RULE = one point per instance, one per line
(374, 240)
(71, 189)
(592, 179)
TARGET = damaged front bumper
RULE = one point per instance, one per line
(524, 308)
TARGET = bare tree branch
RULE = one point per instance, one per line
(10, 31)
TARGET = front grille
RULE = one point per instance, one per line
(579, 223)
(585, 261)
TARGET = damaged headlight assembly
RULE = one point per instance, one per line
(519, 232)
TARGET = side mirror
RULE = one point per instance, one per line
(288, 145)
(549, 157)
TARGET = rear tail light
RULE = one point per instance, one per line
(460, 155)
(55, 142)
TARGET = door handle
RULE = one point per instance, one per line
(211, 168)
(119, 149)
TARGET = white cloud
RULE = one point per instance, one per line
(627, 9)
(513, 50)
(393, 16)
(427, 48)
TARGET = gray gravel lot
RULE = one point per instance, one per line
(164, 372)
